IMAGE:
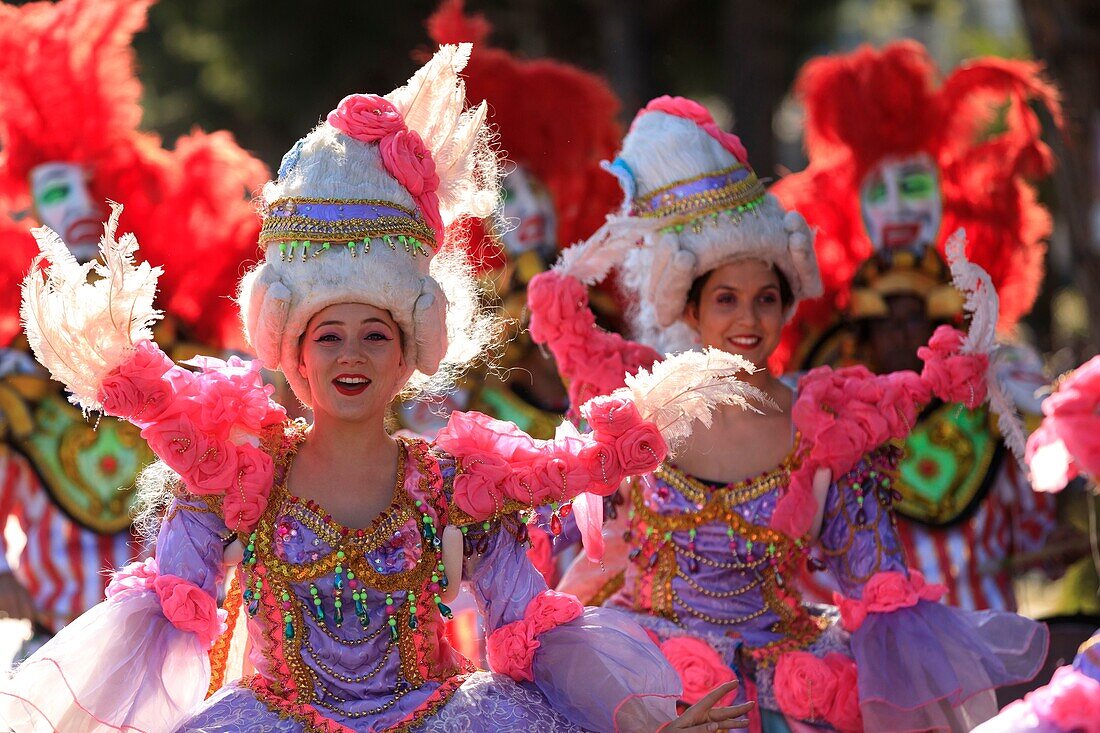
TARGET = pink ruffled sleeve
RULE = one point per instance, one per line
(137, 662)
(204, 425)
(501, 469)
(955, 658)
(591, 360)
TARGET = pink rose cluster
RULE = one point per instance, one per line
(811, 688)
(511, 648)
(699, 667)
(1067, 442)
(204, 425)
(593, 362)
(953, 376)
(697, 113)
(843, 414)
(373, 119)
(1070, 701)
(185, 605)
(886, 592)
(498, 461)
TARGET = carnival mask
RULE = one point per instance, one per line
(901, 202)
(529, 215)
(63, 202)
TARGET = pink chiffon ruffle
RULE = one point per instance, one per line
(122, 667)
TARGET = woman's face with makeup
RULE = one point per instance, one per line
(353, 359)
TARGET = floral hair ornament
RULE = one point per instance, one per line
(693, 204)
(359, 213)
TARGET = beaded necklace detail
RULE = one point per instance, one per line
(270, 581)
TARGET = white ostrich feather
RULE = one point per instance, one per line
(983, 305)
(432, 104)
(590, 261)
(689, 387)
(82, 320)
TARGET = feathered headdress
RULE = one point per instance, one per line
(555, 120)
(68, 93)
(977, 126)
(364, 211)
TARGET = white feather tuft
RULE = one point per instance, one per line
(688, 387)
(591, 260)
(983, 305)
(432, 104)
(82, 320)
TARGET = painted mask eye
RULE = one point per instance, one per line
(877, 192)
(917, 186)
(54, 194)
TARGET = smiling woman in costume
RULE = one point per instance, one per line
(351, 541)
(714, 541)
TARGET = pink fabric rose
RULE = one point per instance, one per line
(216, 470)
(511, 651)
(189, 608)
(952, 376)
(409, 161)
(903, 395)
(246, 500)
(180, 444)
(137, 389)
(845, 714)
(699, 667)
(683, 107)
(837, 445)
(478, 490)
(602, 463)
(641, 449)
(805, 686)
(1072, 700)
(551, 609)
(532, 483)
(556, 302)
(611, 417)
(137, 575)
(225, 400)
(366, 117)
(885, 592)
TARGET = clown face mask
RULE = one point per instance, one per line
(901, 202)
(529, 213)
(63, 202)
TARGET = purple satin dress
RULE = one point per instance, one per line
(705, 563)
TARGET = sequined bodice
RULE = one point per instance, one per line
(705, 557)
(349, 621)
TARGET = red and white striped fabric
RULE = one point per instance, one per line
(63, 566)
(972, 558)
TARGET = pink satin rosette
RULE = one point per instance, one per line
(366, 117)
(511, 648)
(885, 592)
(811, 688)
(699, 667)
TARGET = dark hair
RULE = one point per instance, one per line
(695, 293)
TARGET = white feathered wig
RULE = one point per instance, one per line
(692, 204)
(358, 215)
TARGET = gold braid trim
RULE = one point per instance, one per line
(219, 654)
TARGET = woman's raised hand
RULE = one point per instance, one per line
(704, 716)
